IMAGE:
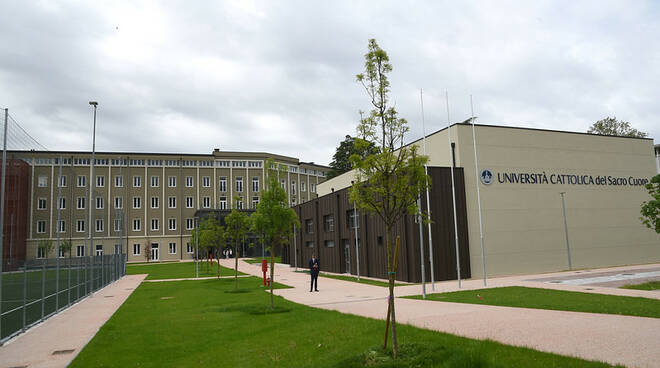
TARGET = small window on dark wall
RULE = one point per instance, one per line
(380, 240)
(310, 244)
(329, 243)
(309, 226)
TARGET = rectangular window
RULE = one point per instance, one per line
(154, 225)
(189, 202)
(293, 202)
(302, 186)
(61, 252)
(43, 181)
(172, 248)
(293, 187)
(223, 184)
(137, 181)
(171, 224)
(62, 203)
(309, 226)
(100, 181)
(80, 251)
(41, 252)
(136, 225)
(190, 224)
(239, 184)
(155, 181)
(223, 203)
(329, 223)
(155, 202)
(100, 203)
(99, 225)
(63, 181)
(82, 181)
(119, 181)
(353, 219)
(80, 226)
(81, 203)
(137, 202)
(136, 249)
(329, 243)
(309, 244)
(206, 202)
(99, 249)
(255, 184)
(41, 204)
(255, 202)
(41, 227)
(117, 225)
(312, 188)
(171, 181)
(189, 181)
(283, 184)
(206, 181)
(62, 226)
(239, 203)
(171, 202)
(119, 203)
(189, 248)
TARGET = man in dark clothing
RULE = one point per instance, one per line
(314, 272)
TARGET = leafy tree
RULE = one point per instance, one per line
(274, 218)
(389, 182)
(341, 162)
(211, 235)
(651, 209)
(612, 126)
(238, 224)
(46, 246)
(147, 249)
(65, 246)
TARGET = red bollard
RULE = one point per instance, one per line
(264, 269)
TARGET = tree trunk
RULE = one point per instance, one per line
(272, 275)
(391, 275)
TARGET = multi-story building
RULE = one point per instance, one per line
(145, 198)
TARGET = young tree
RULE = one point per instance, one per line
(651, 209)
(211, 236)
(389, 182)
(238, 224)
(46, 246)
(147, 249)
(65, 246)
(612, 126)
(341, 162)
(274, 218)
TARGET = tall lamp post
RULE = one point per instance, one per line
(90, 195)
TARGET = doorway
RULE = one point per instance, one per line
(154, 251)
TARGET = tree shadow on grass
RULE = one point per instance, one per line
(416, 355)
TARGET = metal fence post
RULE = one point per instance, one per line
(24, 294)
(43, 287)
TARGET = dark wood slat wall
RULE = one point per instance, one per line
(373, 258)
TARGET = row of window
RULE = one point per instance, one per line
(80, 250)
(81, 202)
(137, 225)
(352, 221)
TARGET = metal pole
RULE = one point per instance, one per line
(428, 201)
(453, 193)
(357, 250)
(196, 247)
(476, 176)
(421, 246)
(568, 246)
(57, 252)
(2, 207)
(295, 248)
(91, 196)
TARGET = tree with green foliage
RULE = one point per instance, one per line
(65, 246)
(147, 249)
(341, 162)
(211, 236)
(612, 126)
(46, 246)
(237, 224)
(389, 182)
(651, 209)
(274, 219)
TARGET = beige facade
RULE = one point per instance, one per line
(602, 179)
(142, 198)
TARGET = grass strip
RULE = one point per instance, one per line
(178, 270)
(537, 298)
(652, 285)
(204, 324)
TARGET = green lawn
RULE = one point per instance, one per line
(204, 324)
(258, 260)
(524, 297)
(178, 270)
(652, 285)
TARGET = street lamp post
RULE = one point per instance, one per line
(91, 195)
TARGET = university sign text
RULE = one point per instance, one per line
(564, 179)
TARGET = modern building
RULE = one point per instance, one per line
(526, 177)
(657, 157)
(142, 198)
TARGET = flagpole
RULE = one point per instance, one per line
(476, 176)
(428, 202)
(453, 193)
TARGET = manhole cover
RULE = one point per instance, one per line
(63, 352)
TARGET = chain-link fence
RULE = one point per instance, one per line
(40, 288)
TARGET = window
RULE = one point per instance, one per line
(81, 203)
(330, 243)
(329, 223)
(309, 226)
(312, 188)
(100, 181)
(171, 224)
(119, 203)
(255, 184)
(171, 181)
(283, 184)
(293, 202)
(302, 186)
(293, 187)
(61, 226)
(41, 204)
(171, 202)
(137, 181)
(80, 226)
(137, 202)
(82, 181)
(189, 181)
(61, 252)
(223, 203)
(62, 203)
(41, 252)
(172, 248)
(41, 227)
(155, 202)
(239, 203)
(99, 203)
(136, 225)
(223, 184)
(190, 224)
(43, 181)
(189, 248)
(239, 184)
(117, 248)
(117, 225)
(154, 224)
(136, 249)
(99, 249)
(255, 202)
(206, 202)
(206, 181)
(63, 181)
(119, 181)
(309, 244)
(99, 225)
(189, 202)
(353, 219)
(80, 251)
(155, 182)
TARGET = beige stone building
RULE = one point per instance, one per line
(145, 198)
(521, 176)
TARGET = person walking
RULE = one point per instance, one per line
(314, 273)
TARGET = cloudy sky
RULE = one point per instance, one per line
(279, 76)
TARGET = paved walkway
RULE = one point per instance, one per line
(59, 339)
(631, 341)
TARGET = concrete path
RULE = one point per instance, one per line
(631, 341)
(59, 339)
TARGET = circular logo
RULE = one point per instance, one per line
(486, 177)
